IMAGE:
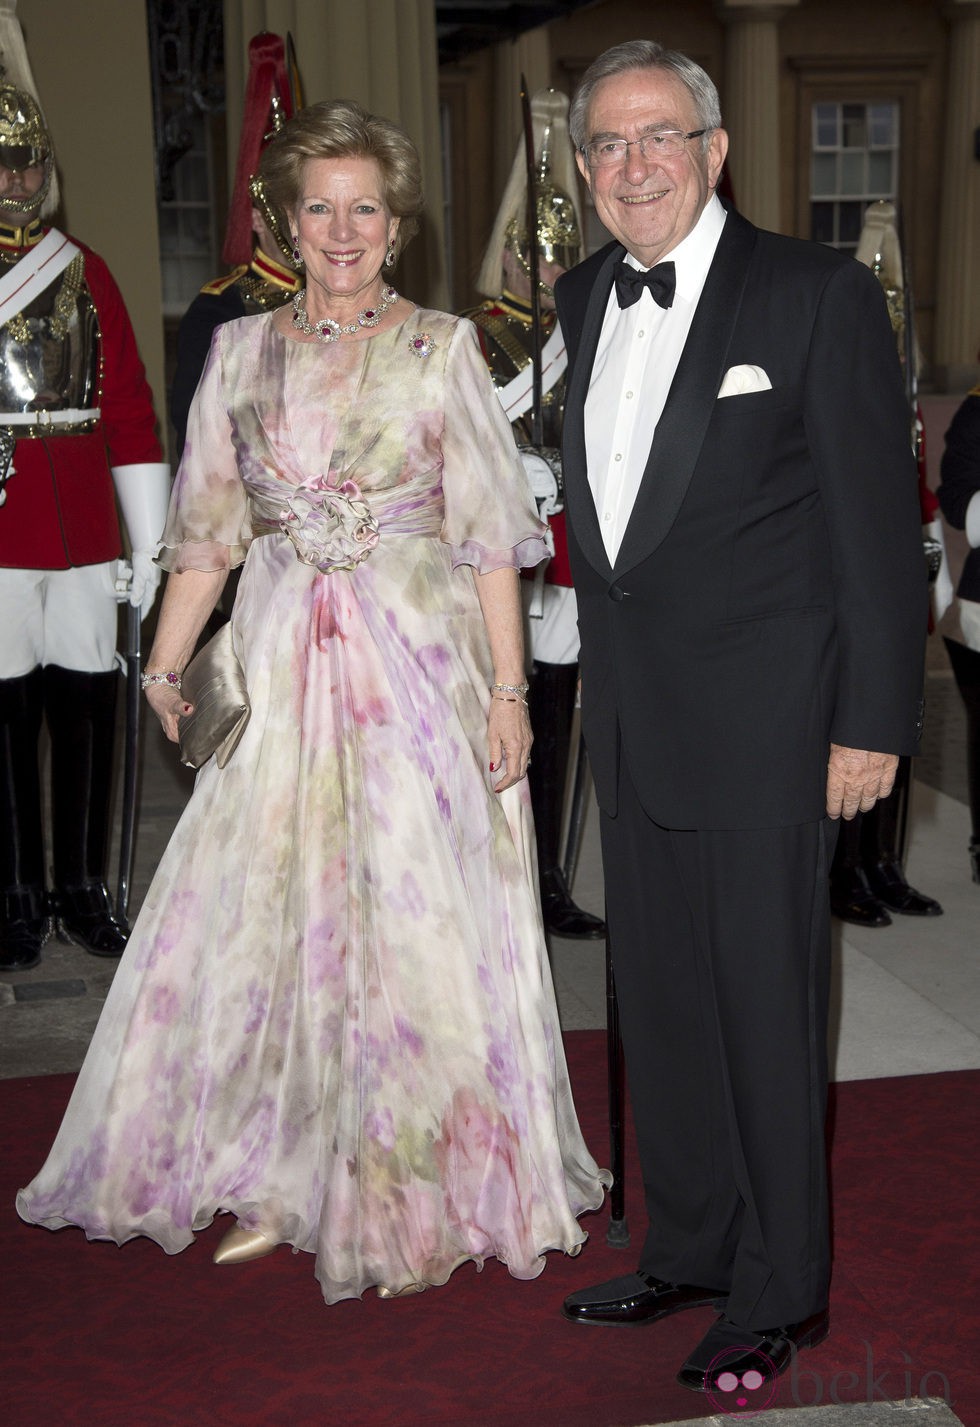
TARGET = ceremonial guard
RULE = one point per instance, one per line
(76, 433)
(867, 878)
(264, 275)
(506, 323)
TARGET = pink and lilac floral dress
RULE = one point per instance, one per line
(335, 1017)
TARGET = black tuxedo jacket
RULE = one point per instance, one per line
(769, 594)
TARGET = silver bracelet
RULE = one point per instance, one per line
(171, 677)
(519, 689)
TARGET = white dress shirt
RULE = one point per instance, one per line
(637, 356)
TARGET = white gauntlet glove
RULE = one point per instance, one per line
(143, 492)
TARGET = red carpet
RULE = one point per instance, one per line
(96, 1336)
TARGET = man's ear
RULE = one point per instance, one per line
(717, 150)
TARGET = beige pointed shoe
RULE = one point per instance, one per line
(241, 1245)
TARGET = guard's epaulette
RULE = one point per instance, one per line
(218, 285)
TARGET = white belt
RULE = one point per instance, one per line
(67, 416)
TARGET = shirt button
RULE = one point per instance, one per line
(618, 457)
(641, 333)
(608, 515)
(629, 396)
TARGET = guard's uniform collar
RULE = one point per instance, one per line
(14, 239)
(271, 270)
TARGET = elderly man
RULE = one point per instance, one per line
(745, 544)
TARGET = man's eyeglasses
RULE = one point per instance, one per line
(667, 143)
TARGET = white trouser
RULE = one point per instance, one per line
(64, 617)
(552, 636)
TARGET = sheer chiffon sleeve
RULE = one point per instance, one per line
(209, 522)
(491, 521)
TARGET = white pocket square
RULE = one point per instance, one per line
(739, 380)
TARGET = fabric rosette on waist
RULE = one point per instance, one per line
(336, 526)
(331, 527)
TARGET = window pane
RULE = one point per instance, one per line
(852, 166)
(168, 230)
(849, 221)
(192, 178)
(861, 167)
(883, 122)
(824, 170)
(825, 130)
(195, 230)
(173, 294)
(880, 175)
(822, 222)
(855, 127)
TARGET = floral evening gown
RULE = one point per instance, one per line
(335, 1018)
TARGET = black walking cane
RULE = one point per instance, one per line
(618, 1233)
(127, 838)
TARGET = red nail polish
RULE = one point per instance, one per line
(493, 767)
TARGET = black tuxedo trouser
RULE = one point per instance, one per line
(721, 953)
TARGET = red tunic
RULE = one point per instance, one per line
(61, 508)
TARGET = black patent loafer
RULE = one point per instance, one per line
(637, 1298)
(23, 927)
(728, 1357)
(887, 882)
(561, 915)
(852, 900)
(84, 915)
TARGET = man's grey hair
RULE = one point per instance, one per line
(644, 54)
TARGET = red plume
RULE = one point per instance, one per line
(267, 80)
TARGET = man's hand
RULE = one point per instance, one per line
(856, 779)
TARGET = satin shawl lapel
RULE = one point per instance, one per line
(579, 501)
(681, 429)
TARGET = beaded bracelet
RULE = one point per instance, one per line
(172, 678)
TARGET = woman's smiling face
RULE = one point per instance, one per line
(342, 228)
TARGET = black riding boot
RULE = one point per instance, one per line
(851, 897)
(880, 854)
(23, 921)
(551, 701)
(81, 714)
(966, 671)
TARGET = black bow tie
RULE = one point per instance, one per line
(630, 282)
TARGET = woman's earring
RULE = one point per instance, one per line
(297, 260)
(390, 256)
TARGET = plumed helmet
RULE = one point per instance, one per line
(559, 225)
(880, 249)
(269, 101)
(24, 136)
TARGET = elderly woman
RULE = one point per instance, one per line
(335, 1020)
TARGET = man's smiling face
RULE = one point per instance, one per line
(650, 204)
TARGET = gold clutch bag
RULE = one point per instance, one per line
(214, 682)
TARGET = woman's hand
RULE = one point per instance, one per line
(169, 705)
(509, 739)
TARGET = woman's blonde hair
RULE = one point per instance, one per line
(340, 129)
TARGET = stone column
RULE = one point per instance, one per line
(381, 53)
(958, 290)
(750, 105)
